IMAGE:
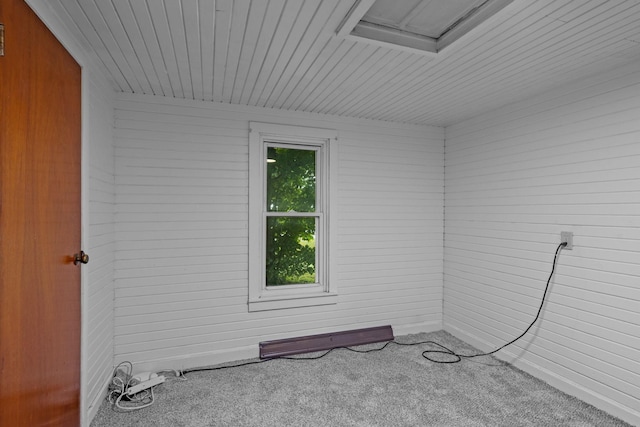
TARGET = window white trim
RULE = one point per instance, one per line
(325, 292)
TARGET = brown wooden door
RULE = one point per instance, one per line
(40, 105)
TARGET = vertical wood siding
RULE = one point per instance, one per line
(568, 160)
(99, 244)
(182, 238)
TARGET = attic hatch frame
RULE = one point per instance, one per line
(353, 27)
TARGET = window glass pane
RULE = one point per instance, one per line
(291, 180)
(291, 250)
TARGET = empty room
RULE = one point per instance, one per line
(449, 189)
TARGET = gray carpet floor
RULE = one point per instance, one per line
(393, 387)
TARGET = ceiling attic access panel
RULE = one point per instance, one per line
(418, 26)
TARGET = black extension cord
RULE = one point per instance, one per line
(457, 357)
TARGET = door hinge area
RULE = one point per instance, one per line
(1, 39)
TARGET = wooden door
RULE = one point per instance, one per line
(40, 101)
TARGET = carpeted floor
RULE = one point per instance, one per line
(393, 387)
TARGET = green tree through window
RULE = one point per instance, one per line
(291, 237)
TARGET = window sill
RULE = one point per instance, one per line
(281, 302)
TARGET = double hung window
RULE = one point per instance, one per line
(290, 216)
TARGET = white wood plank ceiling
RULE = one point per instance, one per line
(285, 54)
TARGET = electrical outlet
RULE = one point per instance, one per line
(567, 236)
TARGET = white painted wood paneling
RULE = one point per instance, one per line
(98, 275)
(181, 231)
(565, 160)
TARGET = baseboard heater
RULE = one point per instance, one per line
(311, 343)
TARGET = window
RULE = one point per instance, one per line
(291, 216)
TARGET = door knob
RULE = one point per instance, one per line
(80, 258)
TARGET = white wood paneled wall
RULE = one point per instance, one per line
(182, 238)
(568, 160)
(98, 278)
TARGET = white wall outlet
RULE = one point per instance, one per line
(567, 236)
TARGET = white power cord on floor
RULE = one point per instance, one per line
(136, 390)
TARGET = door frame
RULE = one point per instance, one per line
(60, 31)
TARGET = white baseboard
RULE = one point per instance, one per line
(563, 384)
(249, 352)
(94, 406)
(416, 328)
(197, 360)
